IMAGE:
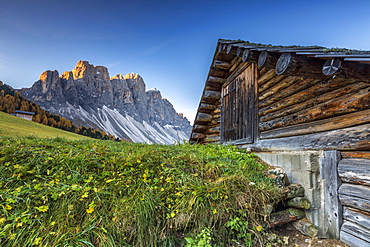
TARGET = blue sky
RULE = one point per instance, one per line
(169, 43)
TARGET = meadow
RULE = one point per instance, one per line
(15, 126)
(60, 192)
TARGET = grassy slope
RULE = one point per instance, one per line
(15, 126)
(57, 192)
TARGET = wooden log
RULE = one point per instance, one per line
(331, 66)
(215, 79)
(266, 77)
(357, 230)
(357, 154)
(292, 191)
(299, 202)
(203, 117)
(275, 80)
(333, 210)
(268, 59)
(213, 130)
(199, 128)
(206, 107)
(356, 196)
(352, 240)
(340, 122)
(195, 136)
(346, 69)
(298, 65)
(262, 71)
(305, 227)
(338, 106)
(352, 138)
(359, 217)
(310, 97)
(222, 65)
(285, 216)
(250, 56)
(286, 92)
(210, 97)
(356, 171)
(288, 81)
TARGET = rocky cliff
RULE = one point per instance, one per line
(119, 105)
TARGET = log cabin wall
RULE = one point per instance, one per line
(354, 195)
(310, 102)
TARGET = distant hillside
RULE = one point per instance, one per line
(10, 101)
(18, 127)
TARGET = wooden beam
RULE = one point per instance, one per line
(199, 128)
(355, 215)
(333, 209)
(275, 80)
(355, 171)
(345, 104)
(294, 88)
(210, 96)
(268, 59)
(215, 79)
(297, 65)
(356, 154)
(352, 240)
(266, 77)
(314, 95)
(203, 117)
(355, 196)
(352, 138)
(223, 65)
(358, 231)
(196, 136)
(340, 122)
(288, 81)
(346, 69)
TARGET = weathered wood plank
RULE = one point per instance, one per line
(296, 87)
(352, 138)
(288, 81)
(356, 196)
(338, 106)
(314, 95)
(356, 154)
(352, 240)
(356, 230)
(333, 208)
(299, 202)
(359, 217)
(340, 122)
(199, 128)
(356, 171)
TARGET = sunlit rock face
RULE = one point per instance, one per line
(119, 105)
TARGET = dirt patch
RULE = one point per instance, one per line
(294, 238)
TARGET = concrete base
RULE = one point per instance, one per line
(303, 167)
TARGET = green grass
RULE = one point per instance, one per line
(58, 192)
(18, 127)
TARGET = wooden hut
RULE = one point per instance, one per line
(303, 109)
(24, 114)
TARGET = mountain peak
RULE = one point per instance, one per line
(132, 76)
